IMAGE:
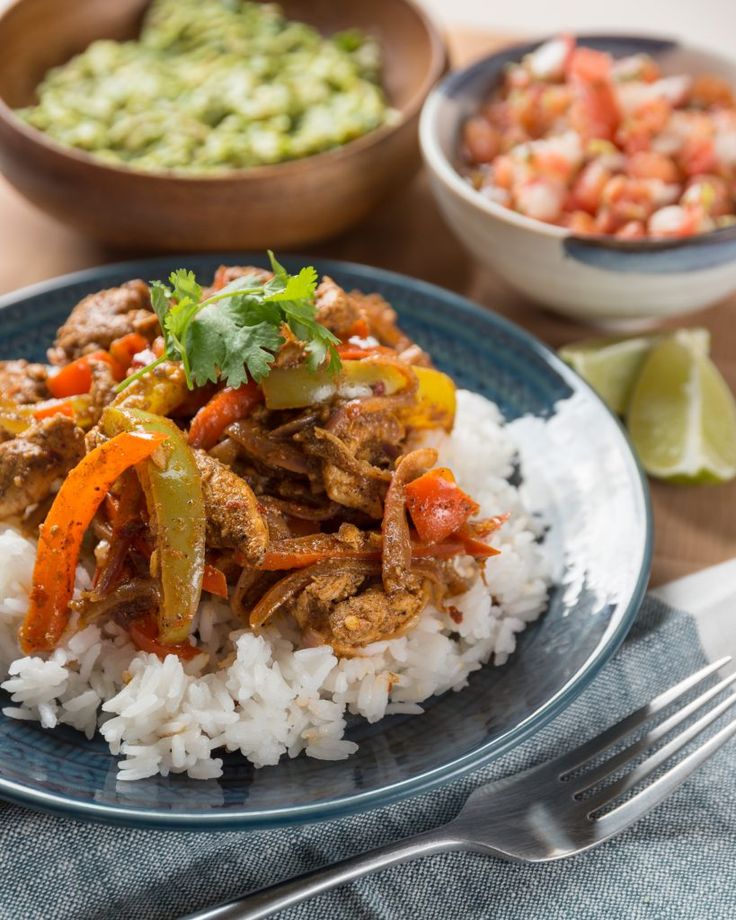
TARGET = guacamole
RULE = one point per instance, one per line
(212, 85)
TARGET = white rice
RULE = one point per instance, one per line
(262, 695)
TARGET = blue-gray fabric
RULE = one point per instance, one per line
(678, 862)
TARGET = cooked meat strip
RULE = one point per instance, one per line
(102, 317)
(234, 519)
(286, 589)
(396, 563)
(257, 443)
(129, 600)
(348, 481)
(372, 437)
(306, 512)
(372, 616)
(312, 605)
(251, 587)
(32, 462)
(227, 273)
(348, 610)
(335, 308)
(102, 392)
(227, 452)
(23, 382)
(288, 429)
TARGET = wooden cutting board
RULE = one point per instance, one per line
(694, 527)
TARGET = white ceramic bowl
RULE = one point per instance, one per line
(608, 282)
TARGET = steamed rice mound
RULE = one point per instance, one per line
(260, 694)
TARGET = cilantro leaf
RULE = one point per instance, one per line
(184, 285)
(222, 345)
(236, 332)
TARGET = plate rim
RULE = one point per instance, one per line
(242, 818)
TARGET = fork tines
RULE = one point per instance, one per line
(580, 780)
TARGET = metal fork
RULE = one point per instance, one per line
(543, 813)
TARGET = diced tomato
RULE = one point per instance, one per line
(710, 90)
(144, 635)
(76, 378)
(482, 141)
(437, 505)
(580, 222)
(588, 65)
(648, 164)
(698, 155)
(588, 188)
(633, 230)
(595, 111)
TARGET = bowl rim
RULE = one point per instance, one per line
(436, 65)
(351, 804)
(442, 167)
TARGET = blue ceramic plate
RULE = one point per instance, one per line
(578, 467)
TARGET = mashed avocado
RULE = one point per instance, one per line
(212, 85)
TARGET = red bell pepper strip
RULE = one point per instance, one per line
(360, 328)
(124, 349)
(299, 552)
(144, 635)
(76, 378)
(437, 505)
(76, 503)
(350, 352)
(214, 581)
(225, 407)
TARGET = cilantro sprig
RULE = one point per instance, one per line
(236, 332)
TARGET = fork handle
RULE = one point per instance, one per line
(268, 901)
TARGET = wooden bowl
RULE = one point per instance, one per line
(286, 205)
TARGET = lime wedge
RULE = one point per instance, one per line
(611, 365)
(682, 416)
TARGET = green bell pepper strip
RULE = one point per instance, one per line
(173, 491)
(297, 387)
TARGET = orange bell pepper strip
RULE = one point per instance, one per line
(76, 378)
(437, 505)
(214, 581)
(54, 407)
(226, 406)
(76, 503)
(144, 635)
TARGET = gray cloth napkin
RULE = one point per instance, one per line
(678, 862)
